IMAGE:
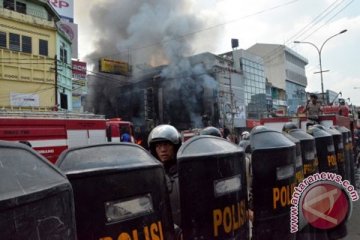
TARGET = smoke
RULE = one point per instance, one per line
(154, 32)
(148, 34)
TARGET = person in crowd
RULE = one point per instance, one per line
(164, 141)
(313, 110)
(125, 137)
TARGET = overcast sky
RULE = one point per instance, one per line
(218, 21)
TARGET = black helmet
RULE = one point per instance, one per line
(313, 95)
(163, 133)
(289, 126)
(211, 131)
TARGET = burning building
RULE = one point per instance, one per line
(197, 96)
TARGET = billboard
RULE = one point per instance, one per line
(113, 66)
(79, 70)
(65, 8)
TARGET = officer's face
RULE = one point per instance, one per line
(165, 151)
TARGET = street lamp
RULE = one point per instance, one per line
(319, 52)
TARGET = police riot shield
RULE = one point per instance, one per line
(213, 192)
(299, 170)
(324, 148)
(348, 150)
(273, 166)
(119, 191)
(308, 151)
(36, 199)
(339, 150)
(310, 166)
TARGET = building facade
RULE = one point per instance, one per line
(64, 71)
(285, 69)
(252, 74)
(28, 36)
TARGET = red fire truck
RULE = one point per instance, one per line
(50, 133)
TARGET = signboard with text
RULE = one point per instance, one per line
(24, 100)
(79, 70)
(113, 66)
(65, 8)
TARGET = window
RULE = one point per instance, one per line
(21, 7)
(43, 47)
(3, 39)
(63, 101)
(26, 44)
(14, 42)
(63, 53)
(9, 4)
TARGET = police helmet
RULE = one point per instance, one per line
(289, 126)
(313, 95)
(245, 135)
(163, 133)
(211, 131)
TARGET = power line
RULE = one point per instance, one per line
(342, 9)
(270, 56)
(318, 18)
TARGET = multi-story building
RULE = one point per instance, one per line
(229, 88)
(285, 70)
(64, 71)
(251, 69)
(28, 36)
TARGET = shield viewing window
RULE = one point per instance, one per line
(285, 172)
(227, 185)
(125, 209)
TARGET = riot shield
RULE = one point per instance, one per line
(308, 151)
(36, 199)
(119, 191)
(349, 154)
(273, 167)
(299, 171)
(213, 191)
(324, 148)
(339, 150)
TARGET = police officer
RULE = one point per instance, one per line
(164, 141)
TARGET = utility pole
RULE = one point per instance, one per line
(234, 45)
(56, 83)
(320, 64)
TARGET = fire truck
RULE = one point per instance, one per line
(50, 133)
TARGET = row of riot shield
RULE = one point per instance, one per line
(119, 191)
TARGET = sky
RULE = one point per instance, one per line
(137, 26)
